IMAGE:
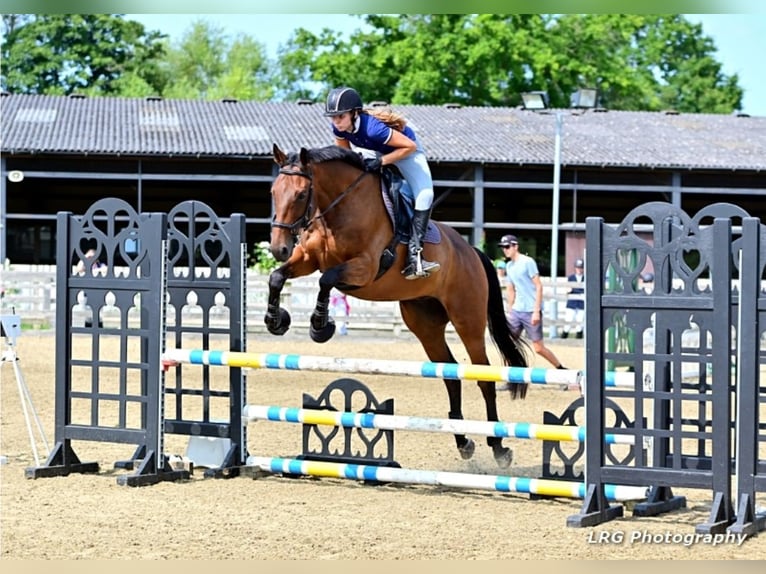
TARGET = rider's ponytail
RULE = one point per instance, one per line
(388, 117)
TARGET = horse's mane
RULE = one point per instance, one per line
(335, 153)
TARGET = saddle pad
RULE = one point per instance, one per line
(433, 235)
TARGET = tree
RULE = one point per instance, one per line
(643, 62)
(418, 59)
(206, 65)
(638, 62)
(98, 54)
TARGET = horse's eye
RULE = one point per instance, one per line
(302, 195)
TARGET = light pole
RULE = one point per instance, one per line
(583, 98)
(555, 220)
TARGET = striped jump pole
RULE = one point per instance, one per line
(619, 379)
(421, 424)
(425, 369)
(542, 487)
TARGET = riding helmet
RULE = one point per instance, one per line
(342, 100)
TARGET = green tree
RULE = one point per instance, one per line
(98, 54)
(418, 59)
(638, 62)
(642, 62)
(205, 64)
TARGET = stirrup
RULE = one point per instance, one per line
(420, 268)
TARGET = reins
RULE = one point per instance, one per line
(304, 220)
(338, 199)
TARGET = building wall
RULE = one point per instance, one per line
(516, 199)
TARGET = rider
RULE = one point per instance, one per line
(387, 133)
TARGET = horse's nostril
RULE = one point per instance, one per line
(281, 253)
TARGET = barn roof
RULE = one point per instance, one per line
(141, 127)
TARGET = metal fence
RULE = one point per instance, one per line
(30, 291)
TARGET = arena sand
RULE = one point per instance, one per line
(88, 517)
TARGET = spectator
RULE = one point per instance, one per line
(97, 268)
(647, 282)
(575, 309)
(525, 299)
(339, 307)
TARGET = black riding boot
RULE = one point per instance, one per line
(417, 266)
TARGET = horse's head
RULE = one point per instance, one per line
(309, 186)
(292, 194)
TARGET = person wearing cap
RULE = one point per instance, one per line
(395, 143)
(575, 309)
(525, 299)
(647, 281)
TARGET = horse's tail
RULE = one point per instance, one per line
(512, 349)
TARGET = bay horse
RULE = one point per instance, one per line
(329, 215)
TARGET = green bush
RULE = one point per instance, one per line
(263, 260)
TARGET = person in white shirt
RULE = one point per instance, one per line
(525, 299)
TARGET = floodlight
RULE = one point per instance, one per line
(534, 100)
(585, 98)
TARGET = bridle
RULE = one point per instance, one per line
(305, 221)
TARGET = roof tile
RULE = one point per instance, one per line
(138, 126)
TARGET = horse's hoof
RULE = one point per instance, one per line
(466, 451)
(504, 457)
(278, 326)
(324, 334)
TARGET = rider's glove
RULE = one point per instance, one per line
(373, 164)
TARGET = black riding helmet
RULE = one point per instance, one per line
(342, 100)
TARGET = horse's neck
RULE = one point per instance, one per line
(348, 192)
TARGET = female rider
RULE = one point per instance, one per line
(387, 133)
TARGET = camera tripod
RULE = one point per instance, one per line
(10, 329)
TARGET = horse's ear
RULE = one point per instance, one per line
(304, 156)
(279, 156)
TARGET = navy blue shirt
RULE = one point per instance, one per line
(372, 134)
(576, 303)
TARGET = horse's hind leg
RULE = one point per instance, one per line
(427, 321)
(503, 455)
(471, 329)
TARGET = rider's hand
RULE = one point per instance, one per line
(373, 164)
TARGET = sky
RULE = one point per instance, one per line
(739, 38)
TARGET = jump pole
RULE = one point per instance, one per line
(422, 424)
(345, 365)
(426, 369)
(497, 483)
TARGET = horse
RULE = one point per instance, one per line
(329, 214)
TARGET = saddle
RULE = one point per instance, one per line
(400, 205)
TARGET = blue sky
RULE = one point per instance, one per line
(739, 38)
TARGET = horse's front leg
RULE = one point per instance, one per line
(322, 325)
(277, 319)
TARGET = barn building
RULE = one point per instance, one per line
(536, 173)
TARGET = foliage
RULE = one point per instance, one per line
(263, 260)
(645, 62)
(96, 54)
(104, 54)
(204, 64)
(638, 62)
